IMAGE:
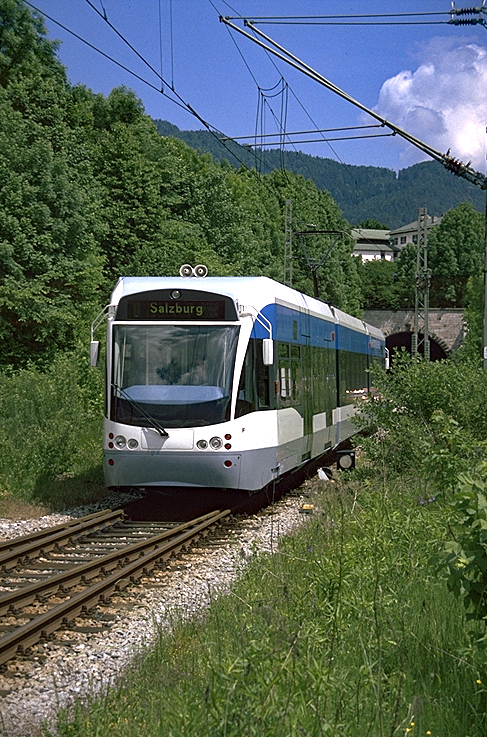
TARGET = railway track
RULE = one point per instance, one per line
(52, 576)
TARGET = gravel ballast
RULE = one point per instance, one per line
(56, 673)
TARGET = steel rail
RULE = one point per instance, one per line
(16, 542)
(156, 548)
(84, 571)
(30, 546)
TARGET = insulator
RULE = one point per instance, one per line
(464, 21)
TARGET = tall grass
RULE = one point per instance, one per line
(345, 631)
(50, 432)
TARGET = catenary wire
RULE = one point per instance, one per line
(180, 102)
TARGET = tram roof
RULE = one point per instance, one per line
(257, 291)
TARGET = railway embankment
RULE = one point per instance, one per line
(349, 626)
(86, 658)
(342, 627)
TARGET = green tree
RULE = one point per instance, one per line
(381, 285)
(50, 268)
(455, 253)
(372, 224)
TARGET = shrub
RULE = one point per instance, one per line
(50, 427)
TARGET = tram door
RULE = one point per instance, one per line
(307, 380)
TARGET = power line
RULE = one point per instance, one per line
(321, 140)
(269, 56)
(306, 132)
(348, 15)
(180, 102)
(160, 37)
(453, 165)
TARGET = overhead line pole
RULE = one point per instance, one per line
(449, 162)
(457, 167)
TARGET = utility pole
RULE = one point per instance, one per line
(288, 244)
(449, 162)
(422, 289)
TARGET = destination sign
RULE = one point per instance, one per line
(175, 310)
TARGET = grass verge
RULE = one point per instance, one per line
(345, 631)
(50, 435)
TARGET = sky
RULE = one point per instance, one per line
(422, 74)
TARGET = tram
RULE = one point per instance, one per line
(226, 382)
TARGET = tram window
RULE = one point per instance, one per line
(289, 375)
(245, 396)
(319, 381)
(179, 375)
(262, 378)
(296, 379)
(253, 390)
(353, 375)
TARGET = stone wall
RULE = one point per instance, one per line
(446, 326)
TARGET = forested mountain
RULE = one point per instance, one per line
(361, 192)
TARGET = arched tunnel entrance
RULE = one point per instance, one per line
(403, 340)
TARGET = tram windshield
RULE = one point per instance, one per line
(175, 375)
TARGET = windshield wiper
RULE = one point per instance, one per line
(143, 412)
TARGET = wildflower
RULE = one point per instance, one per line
(428, 732)
(479, 681)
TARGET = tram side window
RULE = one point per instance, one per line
(253, 389)
(319, 379)
(289, 375)
(262, 377)
(353, 376)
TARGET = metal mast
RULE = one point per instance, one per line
(422, 289)
(449, 162)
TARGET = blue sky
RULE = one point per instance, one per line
(426, 77)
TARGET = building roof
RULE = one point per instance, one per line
(373, 240)
(369, 235)
(410, 227)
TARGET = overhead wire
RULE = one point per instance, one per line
(171, 44)
(289, 89)
(349, 19)
(258, 161)
(160, 40)
(180, 102)
(306, 112)
(450, 163)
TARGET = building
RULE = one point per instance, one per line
(371, 244)
(409, 233)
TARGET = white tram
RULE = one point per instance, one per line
(226, 382)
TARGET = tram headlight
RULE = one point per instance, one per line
(120, 441)
(202, 444)
(132, 443)
(216, 443)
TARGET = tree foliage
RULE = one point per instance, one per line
(455, 255)
(381, 285)
(90, 191)
(50, 265)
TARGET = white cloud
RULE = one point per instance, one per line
(443, 103)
